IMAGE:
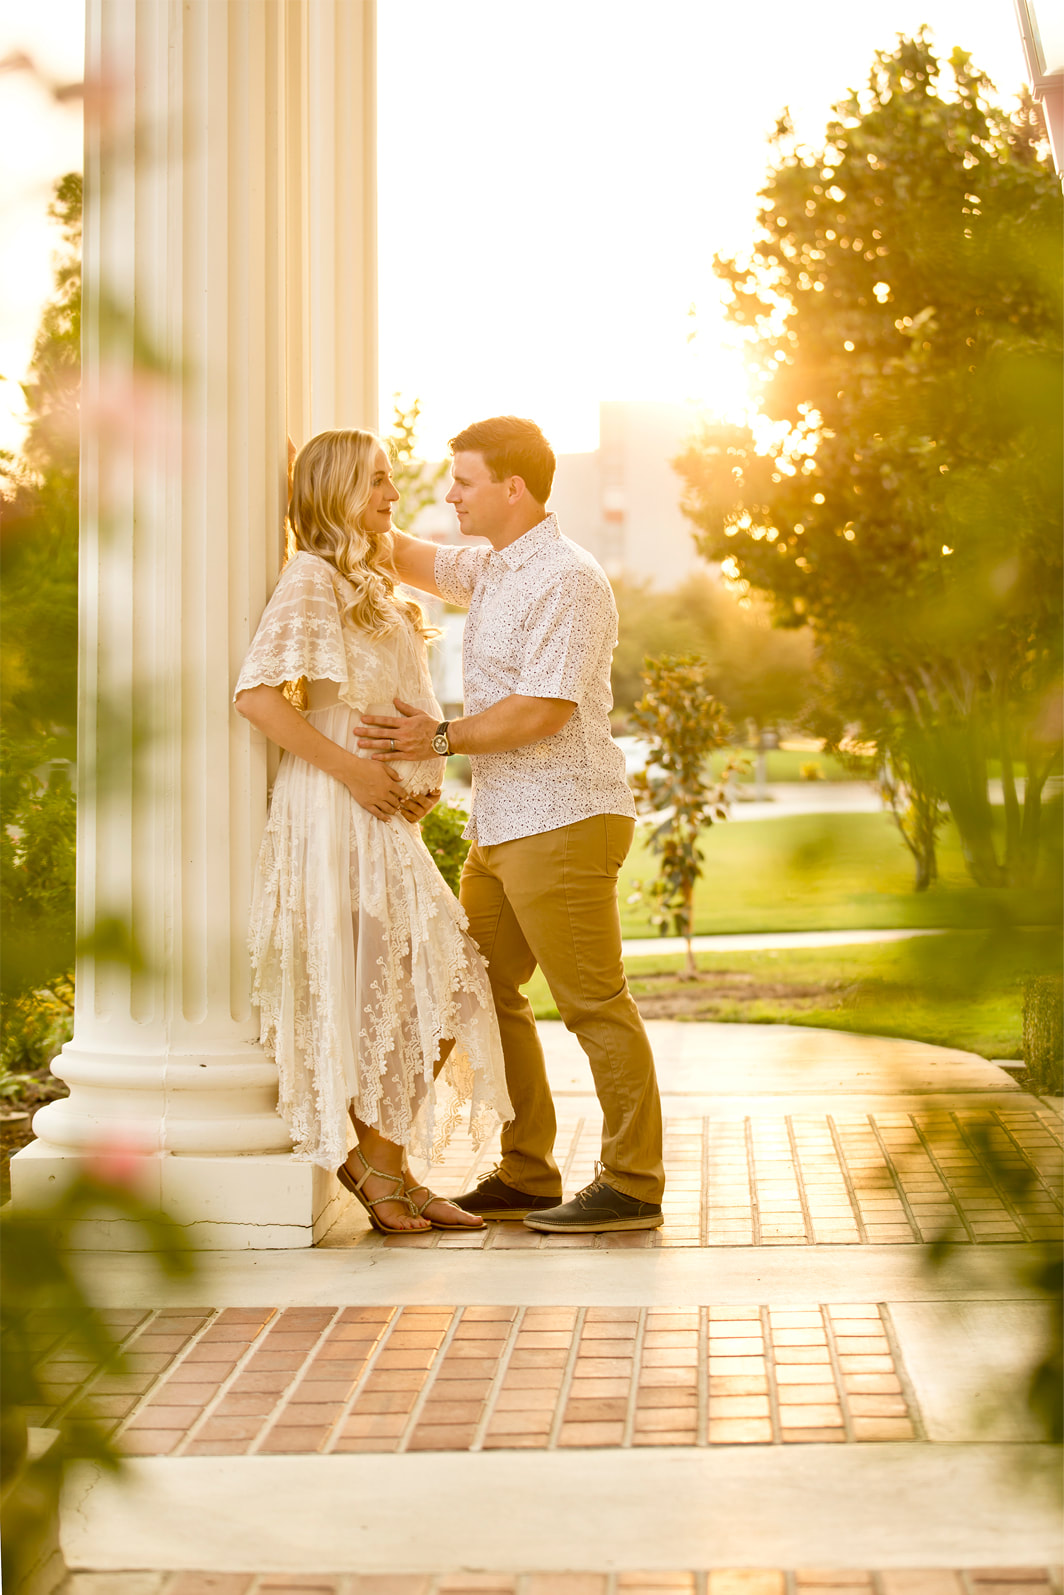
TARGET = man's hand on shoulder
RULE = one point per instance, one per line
(414, 562)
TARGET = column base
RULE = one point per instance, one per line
(263, 1202)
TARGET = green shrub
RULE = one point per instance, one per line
(37, 818)
(1043, 1032)
(442, 830)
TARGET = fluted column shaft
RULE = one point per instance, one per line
(229, 299)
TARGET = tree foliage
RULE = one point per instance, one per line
(414, 480)
(902, 302)
(757, 672)
(38, 668)
(684, 723)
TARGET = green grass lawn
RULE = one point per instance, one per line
(826, 872)
(959, 990)
(786, 764)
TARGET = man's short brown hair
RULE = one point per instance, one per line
(511, 447)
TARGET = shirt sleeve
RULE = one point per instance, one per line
(457, 571)
(300, 634)
(567, 634)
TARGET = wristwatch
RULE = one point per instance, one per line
(440, 743)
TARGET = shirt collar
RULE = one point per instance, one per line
(518, 553)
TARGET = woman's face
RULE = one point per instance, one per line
(377, 516)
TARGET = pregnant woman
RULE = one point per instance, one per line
(367, 984)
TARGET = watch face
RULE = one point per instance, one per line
(439, 743)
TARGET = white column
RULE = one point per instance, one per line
(229, 298)
(332, 237)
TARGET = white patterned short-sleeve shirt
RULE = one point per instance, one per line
(542, 623)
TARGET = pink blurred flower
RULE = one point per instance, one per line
(121, 1163)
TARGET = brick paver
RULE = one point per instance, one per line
(446, 1378)
(322, 1379)
(844, 1178)
(717, 1581)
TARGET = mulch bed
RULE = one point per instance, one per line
(669, 996)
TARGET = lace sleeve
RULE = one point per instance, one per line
(299, 634)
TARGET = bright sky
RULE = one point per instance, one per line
(555, 177)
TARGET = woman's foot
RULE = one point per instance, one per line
(394, 1211)
(441, 1213)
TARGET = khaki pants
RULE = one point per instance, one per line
(551, 900)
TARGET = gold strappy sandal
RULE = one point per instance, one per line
(431, 1196)
(348, 1181)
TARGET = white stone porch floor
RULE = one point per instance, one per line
(974, 1487)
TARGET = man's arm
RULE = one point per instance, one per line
(513, 722)
(414, 562)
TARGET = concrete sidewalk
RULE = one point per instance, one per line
(783, 799)
(766, 941)
(779, 1393)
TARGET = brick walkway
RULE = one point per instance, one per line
(722, 1581)
(311, 1379)
(786, 1314)
(841, 1178)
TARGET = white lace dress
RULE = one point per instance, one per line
(361, 957)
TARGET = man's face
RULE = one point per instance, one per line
(480, 503)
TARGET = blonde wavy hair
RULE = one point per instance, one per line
(332, 481)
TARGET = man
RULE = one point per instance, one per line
(552, 821)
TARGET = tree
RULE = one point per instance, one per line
(903, 304)
(38, 647)
(758, 673)
(38, 670)
(54, 387)
(684, 723)
(416, 482)
(906, 766)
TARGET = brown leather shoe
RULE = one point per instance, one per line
(494, 1199)
(597, 1207)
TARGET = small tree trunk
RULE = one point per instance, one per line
(691, 968)
(913, 796)
(964, 782)
(1033, 796)
(926, 868)
(925, 825)
(1013, 829)
(977, 846)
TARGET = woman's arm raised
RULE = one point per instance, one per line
(373, 785)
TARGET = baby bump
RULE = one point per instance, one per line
(338, 723)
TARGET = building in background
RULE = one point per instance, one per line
(621, 502)
(1042, 37)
